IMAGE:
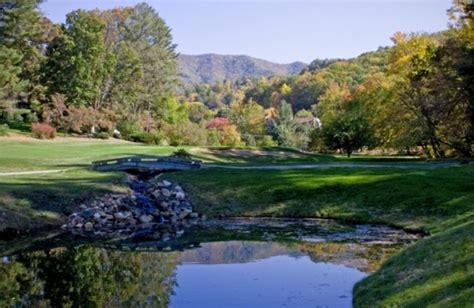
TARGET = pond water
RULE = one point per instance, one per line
(223, 264)
(266, 275)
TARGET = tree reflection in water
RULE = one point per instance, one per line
(125, 275)
(87, 276)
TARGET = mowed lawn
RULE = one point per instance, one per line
(33, 200)
(27, 154)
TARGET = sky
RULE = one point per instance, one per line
(281, 31)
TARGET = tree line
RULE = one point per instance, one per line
(114, 72)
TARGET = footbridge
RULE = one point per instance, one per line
(152, 163)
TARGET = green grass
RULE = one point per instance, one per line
(435, 272)
(411, 198)
(278, 155)
(31, 154)
(35, 201)
(51, 154)
(30, 201)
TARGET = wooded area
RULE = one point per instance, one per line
(113, 73)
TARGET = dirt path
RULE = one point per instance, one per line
(337, 165)
(284, 167)
(31, 172)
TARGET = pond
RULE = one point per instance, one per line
(226, 263)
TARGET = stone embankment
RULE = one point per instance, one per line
(148, 205)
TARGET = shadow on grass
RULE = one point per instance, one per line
(402, 196)
(30, 202)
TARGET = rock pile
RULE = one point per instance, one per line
(149, 203)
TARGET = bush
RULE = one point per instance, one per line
(148, 138)
(102, 135)
(128, 129)
(265, 141)
(182, 153)
(43, 131)
(187, 133)
(249, 140)
(4, 130)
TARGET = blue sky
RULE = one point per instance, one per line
(281, 30)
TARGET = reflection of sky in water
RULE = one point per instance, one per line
(278, 280)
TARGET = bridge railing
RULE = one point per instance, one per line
(146, 160)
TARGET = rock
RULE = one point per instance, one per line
(156, 194)
(147, 205)
(87, 214)
(166, 192)
(131, 221)
(146, 219)
(119, 216)
(180, 195)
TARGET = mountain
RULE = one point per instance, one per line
(209, 68)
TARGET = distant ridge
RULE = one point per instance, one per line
(209, 68)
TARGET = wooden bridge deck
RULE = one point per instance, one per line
(156, 163)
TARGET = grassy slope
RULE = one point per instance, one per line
(411, 198)
(29, 201)
(437, 271)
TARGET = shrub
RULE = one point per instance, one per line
(129, 128)
(4, 130)
(148, 138)
(265, 141)
(43, 131)
(249, 140)
(218, 123)
(182, 153)
(186, 133)
(102, 135)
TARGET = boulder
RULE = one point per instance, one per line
(146, 219)
(165, 192)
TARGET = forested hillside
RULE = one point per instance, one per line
(209, 68)
(115, 73)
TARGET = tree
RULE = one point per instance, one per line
(429, 87)
(24, 33)
(282, 126)
(349, 130)
(78, 61)
(21, 31)
(10, 82)
(149, 36)
(248, 117)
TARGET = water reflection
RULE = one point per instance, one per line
(260, 262)
(255, 274)
(224, 274)
(87, 276)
